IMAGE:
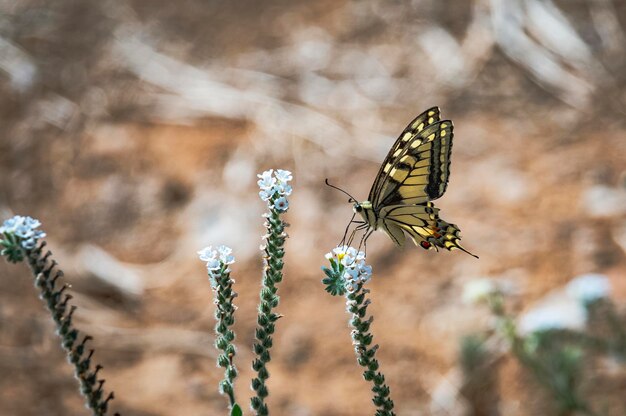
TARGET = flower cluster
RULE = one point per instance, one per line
(275, 188)
(217, 261)
(18, 234)
(25, 228)
(348, 270)
(589, 288)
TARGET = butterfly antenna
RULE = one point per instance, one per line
(352, 199)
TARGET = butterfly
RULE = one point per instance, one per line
(414, 173)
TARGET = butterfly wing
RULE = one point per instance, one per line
(417, 168)
(418, 124)
(423, 225)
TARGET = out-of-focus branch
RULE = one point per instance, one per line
(511, 23)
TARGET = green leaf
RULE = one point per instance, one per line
(333, 263)
(330, 273)
(236, 411)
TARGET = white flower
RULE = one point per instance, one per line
(213, 264)
(22, 231)
(478, 290)
(266, 194)
(29, 243)
(215, 258)
(354, 254)
(25, 228)
(283, 189)
(32, 222)
(340, 250)
(351, 275)
(365, 271)
(207, 253)
(227, 259)
(8, 226)
(348, 259)
(355, 270)
(274, 184)
(588, 288)
(283, 176)
(266, 180)
(351, 287)
(281, 204)
(224, 250)
(557, 310)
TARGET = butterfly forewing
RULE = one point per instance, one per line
(410, 134)
(420, 170)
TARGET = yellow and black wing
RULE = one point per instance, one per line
(417, 168)
(423, 225)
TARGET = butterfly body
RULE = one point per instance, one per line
(414, 173)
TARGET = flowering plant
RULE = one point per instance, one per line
(346, 276)
(275, 188)
(20, 239)
(347, 270)
(218, 261)
(548, 339)
(19, 233)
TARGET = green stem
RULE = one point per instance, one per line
(617, 327)
(266, 319)
(56, 300)
(225, 316)
(365, 353)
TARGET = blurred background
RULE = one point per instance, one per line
(134, 129)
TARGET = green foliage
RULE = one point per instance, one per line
(473, 355)
(557, 366)
(334, 282)
(236, 410)
(554, 357)
(11, 248)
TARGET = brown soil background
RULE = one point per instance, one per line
(135, 129)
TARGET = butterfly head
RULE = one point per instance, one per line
(359, 207)
(362, 208)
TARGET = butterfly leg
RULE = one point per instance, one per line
(363, 242)
(359, 227)
(343, 239)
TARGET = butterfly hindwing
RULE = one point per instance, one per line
(423, 225)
